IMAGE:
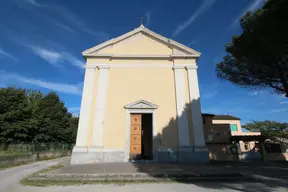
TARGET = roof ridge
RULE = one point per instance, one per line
(141, 28)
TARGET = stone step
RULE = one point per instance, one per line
(142, 177)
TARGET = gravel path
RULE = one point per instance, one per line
(9, 178)
(9, 182)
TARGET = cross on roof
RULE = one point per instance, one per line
(141, 20)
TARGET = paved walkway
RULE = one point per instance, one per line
(9, 182)
(152, 168)
(267, 170)
(172, 187)
(9, 178)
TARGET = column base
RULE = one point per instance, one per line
(80, 149)
(183, 155)
(167, 155)
(200, 148)
(85, 155)
(193, 154)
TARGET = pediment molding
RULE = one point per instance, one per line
(189, 53)
(141, 104)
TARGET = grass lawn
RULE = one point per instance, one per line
(7, 153)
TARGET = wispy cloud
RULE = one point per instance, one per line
(73, 60)
(279, 96)
(79, 22)
(51, 56)
(33, 2)
(56, 58)
(101, 35)
(254, 93)
(278, 110)
(6, 54)
(58, 87)
(192, 42)
(210, 94)
(60, 24)
(42, 12)
(148, 16)
(251, 7)
(209, 91)
(284, 102)
(60, 16)
(206, 5)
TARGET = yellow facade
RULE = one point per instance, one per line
(129, 84)
(149, 45)
(140, 66)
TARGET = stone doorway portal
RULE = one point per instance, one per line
(141, 136)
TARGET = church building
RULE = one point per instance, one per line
(140, 102)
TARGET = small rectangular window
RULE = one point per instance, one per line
(233, 127)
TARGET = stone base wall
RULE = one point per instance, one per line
(161, 156)
(97, 157)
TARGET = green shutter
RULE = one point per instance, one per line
(233, 127)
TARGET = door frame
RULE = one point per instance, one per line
(128, 117)
(134, 108)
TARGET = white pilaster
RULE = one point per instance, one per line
(183, 131)
(99, 117)
(198, 133)
(83, 127)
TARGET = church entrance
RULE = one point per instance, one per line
(141, 136)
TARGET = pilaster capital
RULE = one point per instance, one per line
(89, 67)
(95, 66)
(191, 67)
(103, 66)
(179, 66)
(183, 66)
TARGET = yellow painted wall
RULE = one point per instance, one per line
(127, 85)
(138, 44)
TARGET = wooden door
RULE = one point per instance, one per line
(135, 136)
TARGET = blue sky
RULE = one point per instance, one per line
(41, 42)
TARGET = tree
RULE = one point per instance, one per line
(34, 97)
(14, 112)
(270, 129)
(258, 58)
(53, 119)
(72, 132)
(29, 116)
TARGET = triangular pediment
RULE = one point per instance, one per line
(140, 41)
(141, 104)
